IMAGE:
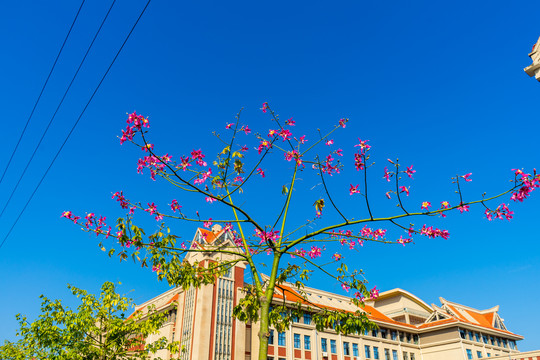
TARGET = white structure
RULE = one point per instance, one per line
(534, 68)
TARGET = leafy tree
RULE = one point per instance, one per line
(98, 330)
(266, 238)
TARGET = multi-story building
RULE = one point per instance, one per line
(408, 328)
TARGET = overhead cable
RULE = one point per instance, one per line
(75, 124)
(41, 93)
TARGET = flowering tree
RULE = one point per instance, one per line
(290, 250)
(98, 329)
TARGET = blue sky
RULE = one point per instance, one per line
(439, 85)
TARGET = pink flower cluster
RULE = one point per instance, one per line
(135, 123)
(501, 211)
(267, 236)
(264, 144)
(432, 232)
(327, 166)
(154, 163)
(96, 223)
(124, 204)
(529, 184)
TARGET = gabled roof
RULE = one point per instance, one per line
(397, 292)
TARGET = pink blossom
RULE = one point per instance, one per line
(238, 179)
(387, 175)
(466, 177)
(175, 205)
(463, 208)
(207, 223)
(264, 145)
(404, 189)
(363, 145)
(159, 217)
(264, 107)
(267, 236)
(290, 122)
(403, 241)
(147, 147)
(156, 268)
(244, 148)
(329, 142)
(272, 133)
(67, 214)
(358, 162)
(432, 232)
(246, 129)
(198, 156)
(374, 293)
(337, 256)
(210, 199)
(229, 125)
(425, 205)
(410, 171)
(132, 210)
(302, 139)
(359, 296)
(315, 252)
(354, 189)
(445, 204)
(388, 194)
(260, 172)
(152, 208)
(339, 152)
(342, 122)
(184, 163)
(345, 287)
(120, 198)
(285, 134)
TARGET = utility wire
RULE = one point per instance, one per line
(41, 93)
(75, 125)
(56, 111)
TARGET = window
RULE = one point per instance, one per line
(412, 356)
(374, 333)
(346, 348)
(401, 336)
(484, 338)
(387, 354)
(499, 342)
(512, 345)
(394, 355)
(469, 354)
(384, 333)
(470, 335)
(333, 347)
(488, 354)
(462, 333)
(405, 356)
(271, 338)
(297, 344)
(479, 354)
(355, 349)
(281, 339)
(505, 343)
(477, 336)
(408, 338)
(492, 339)
(368, 351)
(295, 318)
(376, 353)
(394, 335)
(415, 339)
(366, 332)
(324, 345)
(307, 319)
(307, 342)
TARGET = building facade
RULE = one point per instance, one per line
(408, 328)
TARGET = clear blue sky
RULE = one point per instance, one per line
(439, 85)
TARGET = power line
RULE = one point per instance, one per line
(41, 93)
(75, 125)
(56, 111)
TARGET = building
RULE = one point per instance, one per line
(409, 329)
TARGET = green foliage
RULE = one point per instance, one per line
(98, 329)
